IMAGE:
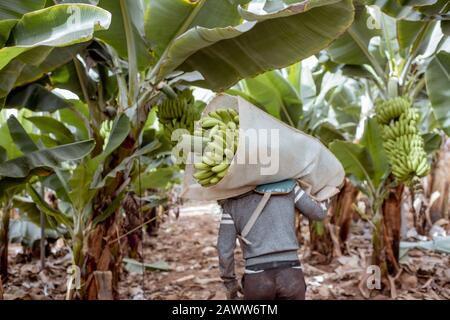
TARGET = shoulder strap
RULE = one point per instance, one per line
(255, 215)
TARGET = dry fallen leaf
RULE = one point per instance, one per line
(186, 278)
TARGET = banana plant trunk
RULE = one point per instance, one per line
(343, 212)
(440, 184)
(104, 252)
(104, 245)
(132, 221)
(386, 235)
(4, 241)
(392, 228)
(320, 240)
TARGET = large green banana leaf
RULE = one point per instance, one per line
(413, 10)
(157, 179)
(294, 76)
(17, 8)
(408, 31)
(355, 159)
(36, 41)
(20, 136)
(31, 66)
(5, 30)
(154, 23)
(74, 117)
(119, 132)
(438, 79)
(56, 58)
(11, 71)
(277, 95)
(345, 100)
(30, 211)
(267, 41)
(7, 143)
(124, 12)
(353, 47)
(373, 142)
(56, 26)
(22, 166)
(365, 163)
(27, 142)
(80, 194)
(47, 209)
(51, 126)
(36, 98)
(175, 14)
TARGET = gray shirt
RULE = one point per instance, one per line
(273, 236)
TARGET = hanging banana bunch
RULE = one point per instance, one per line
(221, 131)
(105, 131)
(179, 113)
(403, 144)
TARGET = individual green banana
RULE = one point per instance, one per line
(214, 180)
(220, 167)
(201, 166)
(210, 122)
(224, 115)
(206, 159)
(200, 175)
(233, 113)
(223, 173)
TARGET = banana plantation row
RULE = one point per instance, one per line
(91, 92)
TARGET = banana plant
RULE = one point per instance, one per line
(367, 167)
(24, 162)
(395, 49)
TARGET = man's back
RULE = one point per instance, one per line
(271, 242)
(273, 235)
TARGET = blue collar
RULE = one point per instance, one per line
(281, 187)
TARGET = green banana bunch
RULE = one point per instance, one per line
(391, 109)
(221, 129)
(178, 113)
(402, 142)
(105, 130)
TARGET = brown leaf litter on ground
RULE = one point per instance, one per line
(187, 246)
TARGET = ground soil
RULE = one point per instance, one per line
(186, 247)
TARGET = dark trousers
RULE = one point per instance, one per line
(275, 284)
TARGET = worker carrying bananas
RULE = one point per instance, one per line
(264, 222)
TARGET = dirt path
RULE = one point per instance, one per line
(187, 246)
